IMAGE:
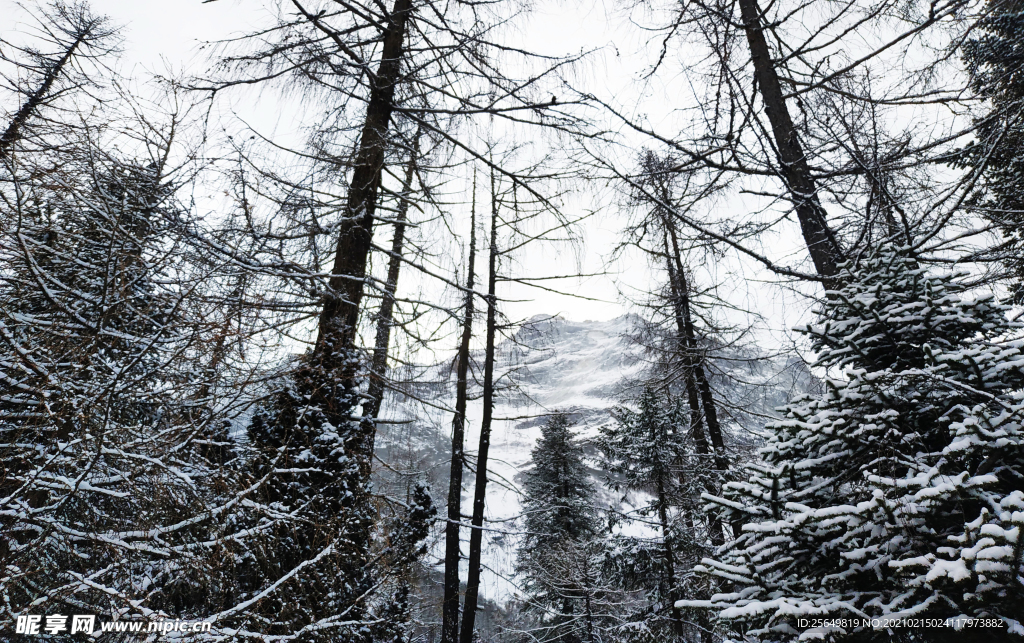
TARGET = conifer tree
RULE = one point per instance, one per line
(405, 546)
(994, 57)
(899, 492)
(651, 452)
(557, 557)
(101, 472)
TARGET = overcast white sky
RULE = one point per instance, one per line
(163, 36)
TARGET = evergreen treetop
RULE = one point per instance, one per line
(558, 493)
(899, 492)
(559, 555)
(646, 446)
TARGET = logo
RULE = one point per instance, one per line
(55, 624)
(86, 624)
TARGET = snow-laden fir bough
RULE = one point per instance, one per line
(898, 492)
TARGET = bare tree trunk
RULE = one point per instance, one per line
(13, 131)
(385, 316)
(327, 379)
(340, 315)
(480, 490)
(681, 292)
(824, 249)
(452, 554)
(684, 326)
(697, 396)
(693, 398)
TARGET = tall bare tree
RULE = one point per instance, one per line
(480, 486)
(377, 73)
(809, 128)
(452, 538)
(74, 37)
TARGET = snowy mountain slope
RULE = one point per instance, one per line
(555, 364)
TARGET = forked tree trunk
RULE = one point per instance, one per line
(330, 371)
(340, 316)
(327, 379)
(699, 398)
(684, 326)
(681, 293)
(480, 490)
(452, 553)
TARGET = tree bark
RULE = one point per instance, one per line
(340, 315)
(480, 490)
(452, 554)
(385, 316)
(824, 249)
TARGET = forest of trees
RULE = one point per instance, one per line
(212, 334)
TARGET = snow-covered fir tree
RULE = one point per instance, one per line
(97, 362)
(994, 57)
(649, 452)
(899, 492)
(307, 438)
(560, 554)
(403, 548)
(342, 569)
